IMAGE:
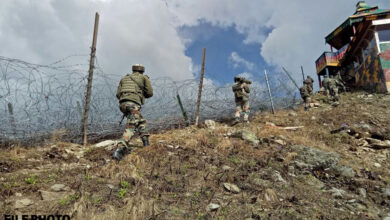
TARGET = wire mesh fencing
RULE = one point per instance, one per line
(39, 100)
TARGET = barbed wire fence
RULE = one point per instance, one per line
(39, 100)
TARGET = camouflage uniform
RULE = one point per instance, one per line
(241, 96)
(309, 81)
(131, 92)
(332, 88)
(305, 94)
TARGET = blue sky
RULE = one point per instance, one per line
(220, 43)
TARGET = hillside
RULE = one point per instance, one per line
(328, 163)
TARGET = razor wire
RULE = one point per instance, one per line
(36, 100)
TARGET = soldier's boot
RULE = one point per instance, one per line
(118, 154)
(120, 151)
(145, 140)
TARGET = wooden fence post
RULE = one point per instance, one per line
(90, 76)
(200, 88)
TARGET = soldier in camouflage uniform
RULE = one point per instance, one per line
(309, 81)
(331, 86)
(132, 91)
(241, 96)
(305, 92)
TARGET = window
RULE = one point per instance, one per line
(384, 35)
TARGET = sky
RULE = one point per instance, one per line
(167, 36)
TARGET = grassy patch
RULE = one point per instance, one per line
(31, 180)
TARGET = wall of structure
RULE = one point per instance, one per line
(369, 75)
(385, 62)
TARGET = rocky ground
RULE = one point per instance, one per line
(329, 163)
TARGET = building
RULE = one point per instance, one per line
(360, 50)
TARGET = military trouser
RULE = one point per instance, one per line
(135, 122)
(334, 92)
(306, 100)
(242, 106)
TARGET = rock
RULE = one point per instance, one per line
(210, 124)
(2, 179)
(231, 187)
(337, 193)
(311, 158)
(18, 194)
(213, 207)
(247, 136)
(110, 186)
(312, 181)
(270, 196)
(280, 142)
(226, 168)
(23, 203)
(386, 192)
(170, 146)
(313, 118)
(261, 182)
(377, 165)
(362, 192)
(276, 177)
(292, 114)
(106, 143)
(345, 171)
(270, 124)
(282, 137)
(58, 187)
(52, 196)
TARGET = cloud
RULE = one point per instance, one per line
(129, 32)
(237, 61)
(291, 33)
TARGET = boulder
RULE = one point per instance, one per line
(345, 171)
(314, 159)
(247, 136)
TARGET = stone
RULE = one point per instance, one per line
(52, 196)
(345, 171)
(313, 118)
(210, 124)
(226, 168)
(231, 188)
(282, 137)
(377, 165)
(386, 192)
(18, 194)
(312, 181)
(23, 203)
(106, 143)
(314, 159)
(276, 177)
(270, 124)
(213, 207)
(280, 142)
(292, 114)
(362, 192)
(247, 136)
(337, 193)
(170, 146)
(110, 186)
(58, 187)
(270, 196)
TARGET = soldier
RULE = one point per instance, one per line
(241, 96)
(305, 91)
(341, 82)
(332, 89)
(309, 81)
(132, 91)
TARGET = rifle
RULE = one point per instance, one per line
(123, 117)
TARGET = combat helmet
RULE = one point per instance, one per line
(237, 79)
(138, 68)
